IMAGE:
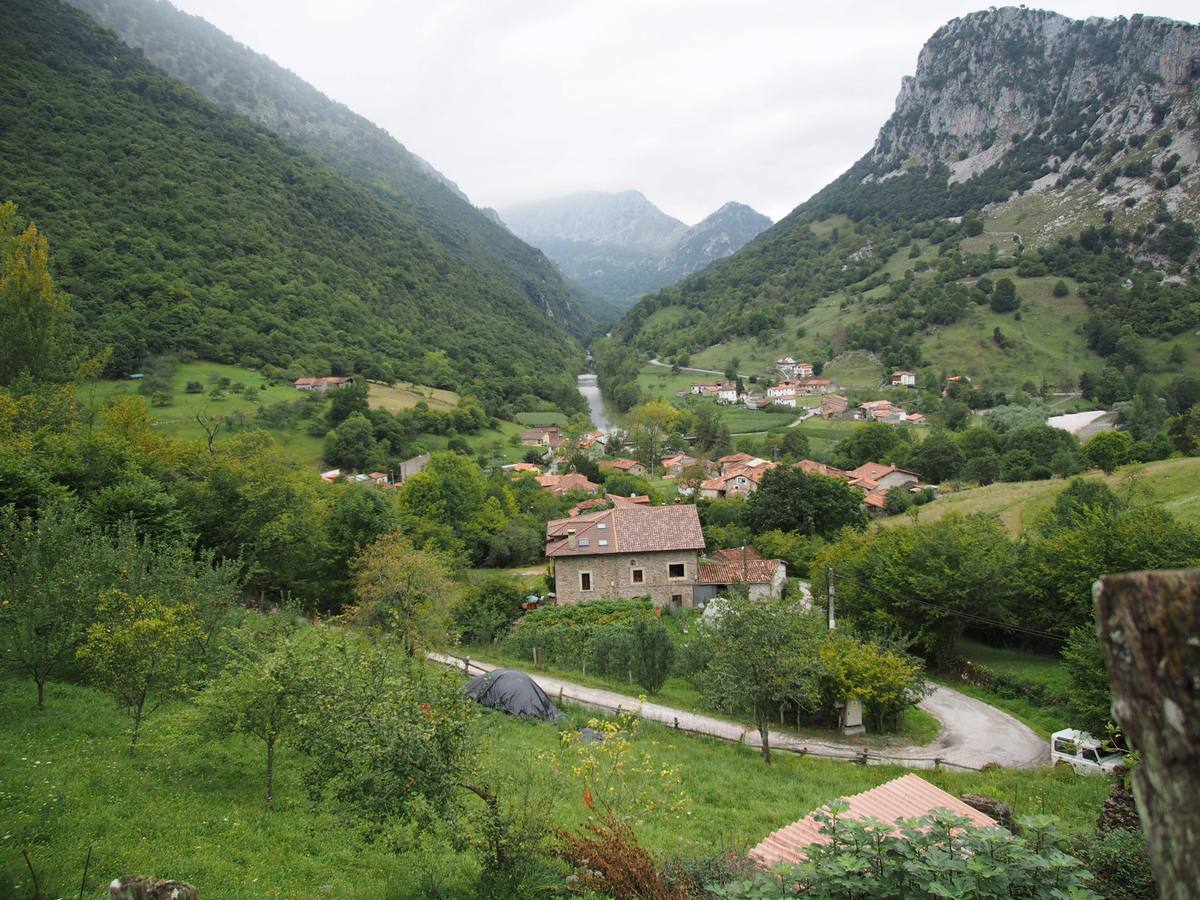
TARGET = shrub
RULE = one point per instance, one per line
(652, 654)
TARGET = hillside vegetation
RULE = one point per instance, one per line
(127, 171)
(997, 166)
(238, 79)
(1172, 484)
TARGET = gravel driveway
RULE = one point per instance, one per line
(973, 733)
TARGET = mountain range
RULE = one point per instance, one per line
(618, 246)
(182, 227)
(1027, 145)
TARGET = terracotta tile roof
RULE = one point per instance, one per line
(524, 467)
(877, 499)
(561, 484)
(739, 564)
(734, 554)
(812, 467)
(634, 529)
(735, 458)
(585, 505)
(625, 502)
(872, 470)
(902, 798)
(621, 464)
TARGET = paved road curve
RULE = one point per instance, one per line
(973, 733)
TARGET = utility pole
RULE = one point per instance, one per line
(829, 590)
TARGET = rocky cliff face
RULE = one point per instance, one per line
(991, 78)
(619, 246)
(624, 219)
(731, 227)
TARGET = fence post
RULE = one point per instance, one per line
(863, 761)
(560, 695)
(466, 665)
(937, 764)
(677, 723)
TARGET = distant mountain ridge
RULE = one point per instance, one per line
(239, 79)
(620, 245)
(1026, 144)
(179, 227)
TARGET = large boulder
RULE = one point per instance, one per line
(147, 887)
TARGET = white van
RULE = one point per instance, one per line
(1082, 752)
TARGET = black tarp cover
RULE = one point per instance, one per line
(513, 692)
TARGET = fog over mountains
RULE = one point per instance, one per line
(619, 246)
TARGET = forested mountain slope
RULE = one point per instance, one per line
(619, 246)
(179, 226)
(237, 78)
(1028, 146)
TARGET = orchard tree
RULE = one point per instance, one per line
(139, 650)
(50, 579)
(763, 654)
(403, 592)
(257, 696)
(378, 730)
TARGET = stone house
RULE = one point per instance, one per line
(762, 578)
(904, 379)
(626, 552)
(322, 384)
(833, 405)
(628, 466)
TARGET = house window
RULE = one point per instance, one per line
(583, 542)
(585, 581)
(639, 576)
(676, 570)
(677, 599)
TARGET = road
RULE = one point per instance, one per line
(973, 733)
(667, 365)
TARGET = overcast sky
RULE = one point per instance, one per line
(692, 102)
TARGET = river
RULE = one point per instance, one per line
(596, 409)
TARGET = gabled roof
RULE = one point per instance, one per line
(621, 464)
(872, 471)
(739, 564)
(812, 467)
(735, 458)
(901, 798)
(561, 484)
(632, 529)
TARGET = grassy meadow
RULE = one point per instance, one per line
(192, 808)
(1173, 484)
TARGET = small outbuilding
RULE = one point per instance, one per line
(513, 692)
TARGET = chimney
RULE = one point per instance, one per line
(571, 538)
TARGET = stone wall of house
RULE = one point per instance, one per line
(612, 577)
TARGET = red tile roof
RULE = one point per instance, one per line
(872, 470)
(621, 464)
(812, 467)
(902, 798)
(739, 564)
(634, 529)
(561, 484)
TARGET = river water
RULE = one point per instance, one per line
(591, 393)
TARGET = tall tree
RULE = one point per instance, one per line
(35, 328)
(790, 500)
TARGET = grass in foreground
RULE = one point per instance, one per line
(192, 808)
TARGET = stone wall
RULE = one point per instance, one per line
(612, 577)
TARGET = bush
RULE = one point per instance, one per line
(652, 654)
(194, 387)
(1119, 863)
